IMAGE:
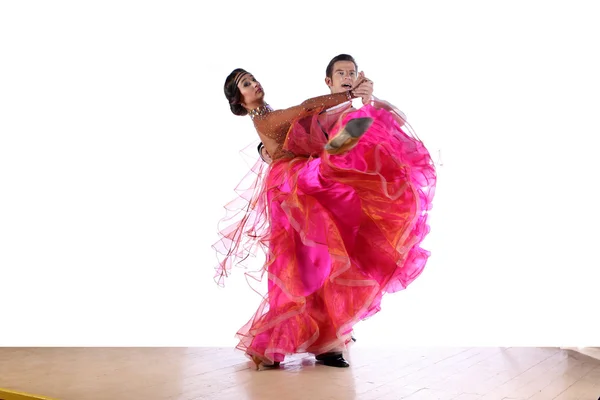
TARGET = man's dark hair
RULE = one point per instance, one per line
(260, 148)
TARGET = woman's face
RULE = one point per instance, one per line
(251, 91)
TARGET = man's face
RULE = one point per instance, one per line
(342, 78)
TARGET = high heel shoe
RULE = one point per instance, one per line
(259, 362)
(349, 135)
(333, 359)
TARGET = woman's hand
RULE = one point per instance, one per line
(363, 88)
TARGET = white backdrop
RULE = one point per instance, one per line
(118, 152)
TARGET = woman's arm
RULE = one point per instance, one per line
(275, 122)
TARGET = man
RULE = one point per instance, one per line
(340, 75)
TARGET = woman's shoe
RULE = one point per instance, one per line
(259, 362)
(348, 136)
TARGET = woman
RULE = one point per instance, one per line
(340, 220)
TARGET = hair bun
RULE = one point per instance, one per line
(238, 109)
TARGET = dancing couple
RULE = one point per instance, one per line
(340, 211)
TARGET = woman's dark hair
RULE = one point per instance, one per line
(232, 93)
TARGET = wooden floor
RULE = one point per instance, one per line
(221, 373)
